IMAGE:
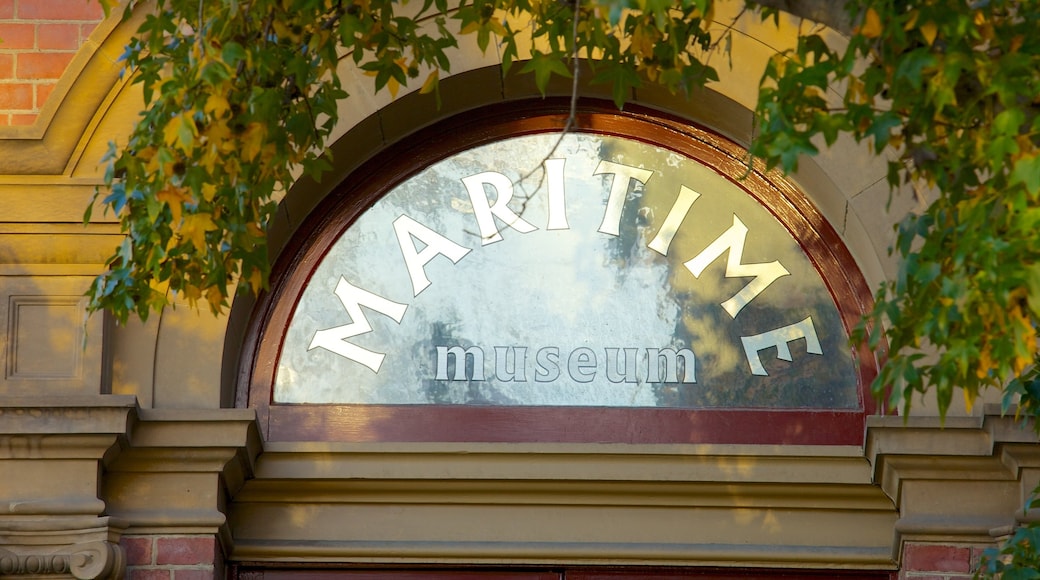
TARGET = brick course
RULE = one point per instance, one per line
(148, 574)
(17, 35)
(938, 561)
(59, 9)
(16, 96)
(185, 550)
(138, 550)
(38, 40)
(57, 36)
(172, 557)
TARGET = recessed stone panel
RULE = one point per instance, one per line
(49, 345)
(43, 332)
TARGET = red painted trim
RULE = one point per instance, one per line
(368, 183)
(427, 423)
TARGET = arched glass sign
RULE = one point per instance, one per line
(593, 271)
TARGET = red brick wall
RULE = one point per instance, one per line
(939, 561)
(183, 557)
(38, 39)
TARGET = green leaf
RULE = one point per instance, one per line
(622, 79)
(881, 129)
(1026, 170)
(544, 66)
(232, 54)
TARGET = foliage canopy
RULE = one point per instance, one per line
(241, 98)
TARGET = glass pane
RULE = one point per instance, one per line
(606, 272)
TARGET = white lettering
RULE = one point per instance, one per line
(353, 298)
(435, 244)
(780, 339)
(675, 218)
(486, 212)
(622, 178)
(557, 196)
(733, 240)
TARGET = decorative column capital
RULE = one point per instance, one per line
(100, 560)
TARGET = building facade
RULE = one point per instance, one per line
(578, 443)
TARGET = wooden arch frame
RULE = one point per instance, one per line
(429, 423)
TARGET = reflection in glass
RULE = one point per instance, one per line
(568, 313)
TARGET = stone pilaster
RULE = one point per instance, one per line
(52, 452)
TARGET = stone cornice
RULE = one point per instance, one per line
(79, 415)
(57, 441)
(181, 467)
(962, 478)
(226, 439)
(579, 462)
(712, 504)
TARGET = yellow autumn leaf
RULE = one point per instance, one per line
(969, 398)
(644, 38)
(209, 191)
(210, 157)
(173, 126)
(216, 105)
(911, 20)
(218, 132)
(175, 197)
(181, 131)
(153, 159)
(871, 27)
(430, 84)
(651, 72)
(496, 26)
(1027, 338)
(929, 30)
(985, 364)
(192, 293)
(255, 230)
(215, 299)
(252, 140)
(392, 85)
(268, 153)
(195, 227)
(256, 280)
